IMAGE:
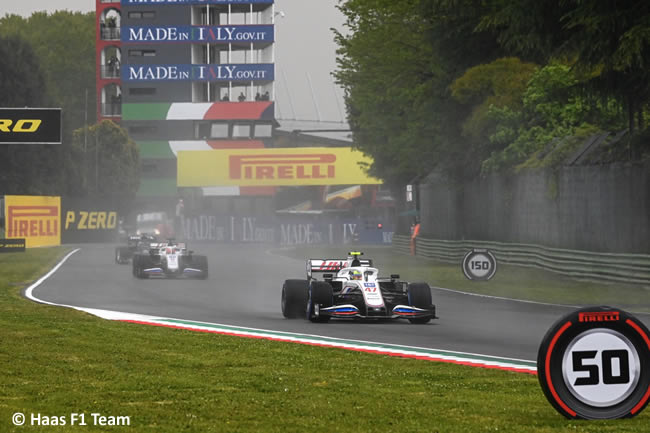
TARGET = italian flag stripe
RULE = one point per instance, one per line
(145, 111)
(155, 149)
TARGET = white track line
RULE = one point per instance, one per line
(333, 341)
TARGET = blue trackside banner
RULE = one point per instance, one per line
(227, 72)
(191, 2)
(226, 34)
(285, 231)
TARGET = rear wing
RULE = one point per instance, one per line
(329, 266)
(159, 245)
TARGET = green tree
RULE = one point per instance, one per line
(497, 85)
(530, 29)
(554, 107)
(22, 85)
(61, 69)
(610, 41)
(384, 67)
(613, 40)
(22, 81)
(396, 61)
(106, 162)
(64, 43)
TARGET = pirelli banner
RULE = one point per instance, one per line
(274, 167)
(30, 125)
(88, 220)
(37, 219)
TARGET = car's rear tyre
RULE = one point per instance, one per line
(295, 294)
(321, 295)
(419, 295)
(121, 255)
(140, 262)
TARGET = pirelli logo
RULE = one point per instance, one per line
(32, 221)
(37, 219)
(274, 167)
(292, 166)
(600, 316)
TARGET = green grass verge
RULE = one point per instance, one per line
(510, 281)
(57, 361)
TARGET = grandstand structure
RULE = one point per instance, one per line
(197, 75)
(187, 75)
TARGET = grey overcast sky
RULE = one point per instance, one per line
(305, 50)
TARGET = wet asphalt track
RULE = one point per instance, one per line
(244, 288)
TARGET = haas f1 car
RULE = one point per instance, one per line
(169, 259)
(352, 288)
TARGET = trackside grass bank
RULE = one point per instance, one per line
(57, 361)
(510, 281)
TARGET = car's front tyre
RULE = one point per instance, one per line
(295, 294)
(419, 295)
(201, 262)
(320, 295)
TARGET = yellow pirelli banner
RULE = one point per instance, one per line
(273, 167)
(37, 219)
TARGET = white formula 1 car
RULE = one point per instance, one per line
(352, 288)
(169, 259)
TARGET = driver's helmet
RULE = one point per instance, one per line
(355, 275)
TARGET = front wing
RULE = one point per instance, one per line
(396, 312)
(187, 272)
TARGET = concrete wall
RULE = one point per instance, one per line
(595, 208)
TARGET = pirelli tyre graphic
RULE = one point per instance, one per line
(594, 363)
(479, 264)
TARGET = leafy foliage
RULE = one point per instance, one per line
(21, 77)
(64, 43)
(394, 66)
(486, 89)
(554, 107)
(22, 85)
(460, 85)
(106, 161)
(49, 60)
(608, 40)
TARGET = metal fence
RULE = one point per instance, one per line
(584, 265)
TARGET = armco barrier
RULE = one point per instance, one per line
(402, 244)
(626, 268)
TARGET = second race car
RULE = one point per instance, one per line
(134, 244)
(169, 259)
(352, 288)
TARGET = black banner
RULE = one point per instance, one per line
(30, 125)
(12, 245)
(88, 220)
